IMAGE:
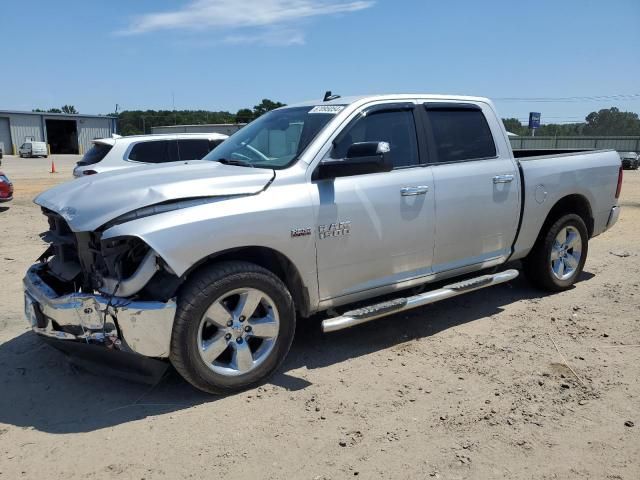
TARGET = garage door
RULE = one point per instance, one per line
(5, 135)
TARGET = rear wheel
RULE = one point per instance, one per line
(234, 326)
(558, 257)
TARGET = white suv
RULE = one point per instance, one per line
(108, 154)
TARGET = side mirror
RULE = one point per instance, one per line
(362, 158)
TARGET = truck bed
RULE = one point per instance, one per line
(547, 178)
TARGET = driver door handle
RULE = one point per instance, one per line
(414, 191)
(503, 179)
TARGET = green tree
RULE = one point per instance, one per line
(244, 115)
(69, 109)
(266, 106)
(54, 110)
(611, 121)
(513, 125)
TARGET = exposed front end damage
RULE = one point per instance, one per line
(115, 293)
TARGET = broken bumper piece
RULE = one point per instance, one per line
(140, 327)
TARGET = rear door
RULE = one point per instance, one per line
(375, 230)
(477, 186)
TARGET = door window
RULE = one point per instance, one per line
(194, 149)
(461, 134)
(396, 127)
(151, 152)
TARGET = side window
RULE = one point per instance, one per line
(214, 143)
(172, 151)
(27, 145)
(396, 127)
(193, 149)
(149, 152)
(461, 134)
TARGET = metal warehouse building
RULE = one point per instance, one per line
(64, 133)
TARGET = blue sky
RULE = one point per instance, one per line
(228, 54)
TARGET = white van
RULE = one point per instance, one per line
(33, 149)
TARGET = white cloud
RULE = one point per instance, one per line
(271, 37)
(277, 15)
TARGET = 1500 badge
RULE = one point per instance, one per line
(300, 232)
(334, 230)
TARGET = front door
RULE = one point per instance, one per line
(477, 198)
(375, 230)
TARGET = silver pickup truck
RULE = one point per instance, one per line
(311, 208)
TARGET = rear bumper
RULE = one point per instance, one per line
(140, 327)
(613, 217)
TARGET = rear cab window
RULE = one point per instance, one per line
(459, 132)
(95, 154)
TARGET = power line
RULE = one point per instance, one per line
(588, 98)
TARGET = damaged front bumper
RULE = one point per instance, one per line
(142, 327)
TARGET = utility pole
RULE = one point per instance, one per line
(175, 115)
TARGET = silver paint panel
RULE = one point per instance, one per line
(89, 202)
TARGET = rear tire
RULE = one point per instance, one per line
(233, 327)
(557, 259)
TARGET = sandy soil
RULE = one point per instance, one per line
(503, 383)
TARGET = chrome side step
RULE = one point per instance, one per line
(373, 312)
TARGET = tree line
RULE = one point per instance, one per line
(608, 121)
(136, 122)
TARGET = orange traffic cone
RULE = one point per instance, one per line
(53, 167)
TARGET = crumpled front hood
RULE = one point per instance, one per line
(89, 202)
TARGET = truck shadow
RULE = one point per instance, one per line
(41, 389)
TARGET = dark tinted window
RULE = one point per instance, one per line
(395, 127)
(214, 143)
(193, 149)
(461, 135)
(95, 154)
(154, 152)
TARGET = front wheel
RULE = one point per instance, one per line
(558, 257)
(234, 326)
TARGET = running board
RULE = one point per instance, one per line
(378, 310)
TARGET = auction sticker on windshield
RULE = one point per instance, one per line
(332, 109)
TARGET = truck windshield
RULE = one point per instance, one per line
(276, 139)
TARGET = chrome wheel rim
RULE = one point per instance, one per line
(238, 331)
(566, 253)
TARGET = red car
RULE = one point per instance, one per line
(6, 188)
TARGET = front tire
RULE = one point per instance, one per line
(558, 257)
(233, 328)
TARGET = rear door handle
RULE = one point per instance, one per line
(413, 191)
(503, 179)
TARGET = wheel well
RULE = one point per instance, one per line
(576, 204)
(272, 260)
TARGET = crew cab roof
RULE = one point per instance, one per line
(400, 97)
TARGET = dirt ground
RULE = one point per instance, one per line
(502, 383)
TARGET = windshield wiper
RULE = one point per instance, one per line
(238, 163)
